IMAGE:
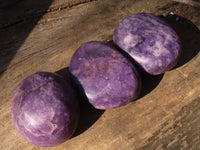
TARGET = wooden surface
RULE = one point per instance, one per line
(42, 36)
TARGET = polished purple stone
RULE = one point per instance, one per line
(45, 109)
(150, 41)
(108, 79)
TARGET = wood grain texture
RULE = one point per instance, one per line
(165, 116)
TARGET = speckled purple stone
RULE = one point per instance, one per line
(150, 41)
(109, 80)
(45, 109)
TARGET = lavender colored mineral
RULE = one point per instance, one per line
(150, 41)
(45, 109)
(108, 79)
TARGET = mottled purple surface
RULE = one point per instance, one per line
(109, 80)
(150, 41)
(45, 109)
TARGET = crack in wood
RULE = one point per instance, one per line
(68, 5)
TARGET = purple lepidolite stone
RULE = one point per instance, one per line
(108, 79)
(45, 109)
(150, 41)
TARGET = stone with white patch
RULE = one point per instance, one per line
(147, 39)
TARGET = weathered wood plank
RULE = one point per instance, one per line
(26, 10)
(166, 114)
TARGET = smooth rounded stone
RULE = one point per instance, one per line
(150, 41)
(45, 109)
(107, 78)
